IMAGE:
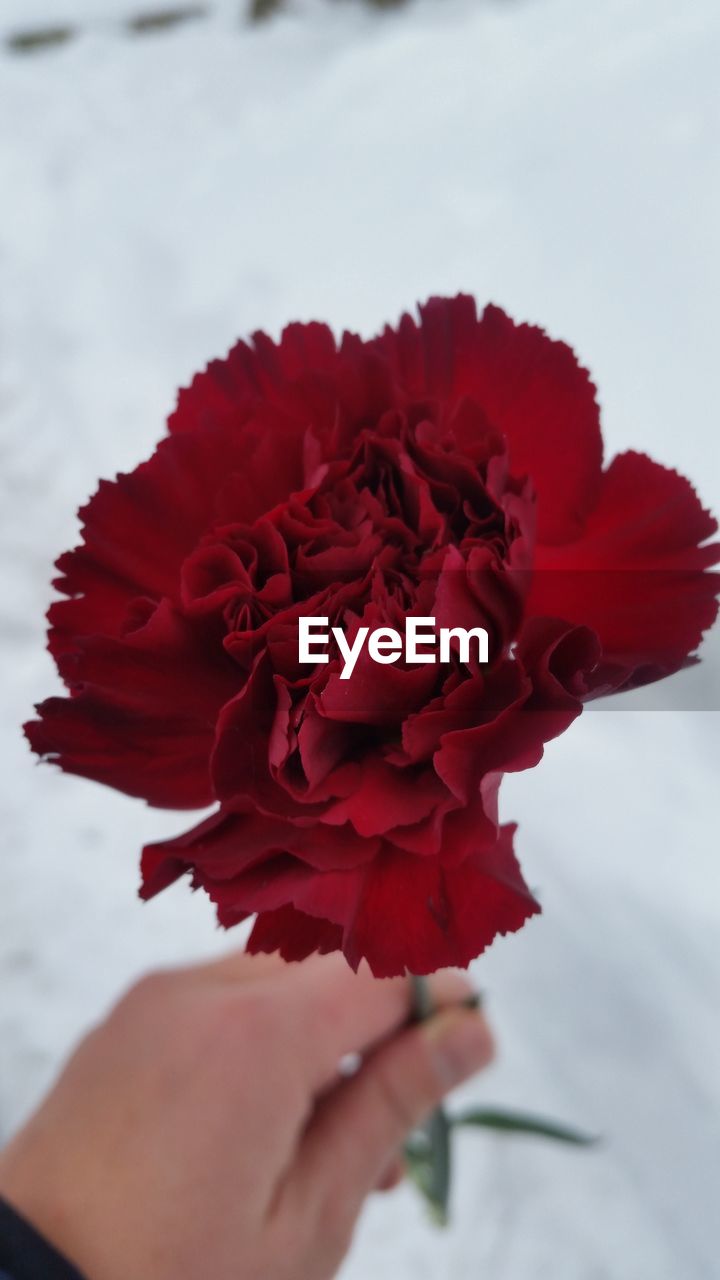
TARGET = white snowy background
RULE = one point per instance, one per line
(163, 195)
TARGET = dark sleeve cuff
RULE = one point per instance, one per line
(25, 1254)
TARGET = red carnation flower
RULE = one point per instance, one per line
(450, 468)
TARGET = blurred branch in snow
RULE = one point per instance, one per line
(386, 4)
(37, 39)
(162, 19)
(260, 9)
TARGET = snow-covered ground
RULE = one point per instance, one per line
(163, 195)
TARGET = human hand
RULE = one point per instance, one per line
(204, 1129)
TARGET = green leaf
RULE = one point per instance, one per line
(427, 1153)
(521, 1122)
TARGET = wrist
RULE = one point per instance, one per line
(26, 1254)
(34, 1216)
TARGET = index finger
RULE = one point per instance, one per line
(330, 1011)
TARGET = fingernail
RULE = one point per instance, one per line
(460, 1045)
(473, 1001)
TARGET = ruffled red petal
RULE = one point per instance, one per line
(162, 759)
(145, 705)
(314, 382)
(530, 387)
(293, 934)
(402, 913)
(436, 915)
(138, 529)
(227, 845)
(377, 902)
(636, 575)
(227, 391)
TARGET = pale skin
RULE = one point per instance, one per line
(203, 1129)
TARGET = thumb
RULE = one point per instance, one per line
(359, 1126)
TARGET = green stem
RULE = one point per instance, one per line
(422, 1001)
(428, 1152)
